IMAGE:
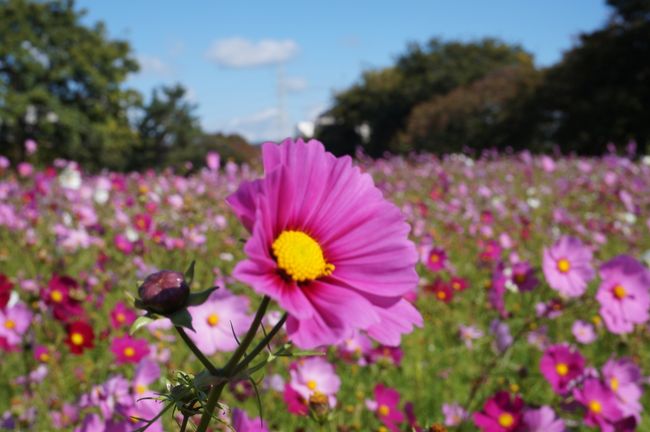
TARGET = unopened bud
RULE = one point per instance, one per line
(164, 292)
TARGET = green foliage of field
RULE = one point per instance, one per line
(437, 367)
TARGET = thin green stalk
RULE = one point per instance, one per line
(186, 418)
(248, 338)
(215, 392)
(197, 352)
(260, 346)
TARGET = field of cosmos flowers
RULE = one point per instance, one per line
(500, 293)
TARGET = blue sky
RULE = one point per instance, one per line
(234, 57)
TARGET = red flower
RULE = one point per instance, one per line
(57, 296)
(458, 283)
(5, 290)
(142, 222)
(80, 336)
(441, 290)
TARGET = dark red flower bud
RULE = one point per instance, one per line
(164, 292)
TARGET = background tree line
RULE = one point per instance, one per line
(63, 84)
(450, 96)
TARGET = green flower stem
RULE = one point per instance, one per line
(197, 352)
(260, 346)
(231, 366)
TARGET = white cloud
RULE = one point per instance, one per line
(264, 125)
(238, 52)
(294, 84)
(153, 65)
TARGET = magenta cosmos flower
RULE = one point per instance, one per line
(215, 320)
(128, 349)
(623, 294)
(500, 413)
(625, 379)
(600, 404)
(386, 407)
(326, 246)
(567, 266)
(542, 419)
(242, 423)
(560, 365)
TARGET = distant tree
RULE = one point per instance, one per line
(61, 83)
(168, 130)
(232, 147)
(491, 112)
(382, 101)
(600, 91)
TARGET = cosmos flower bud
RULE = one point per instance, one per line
(164, 292)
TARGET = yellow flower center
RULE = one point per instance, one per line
(120, 317)
(300, 256)
(44, 357)
(456, 286)
(619, 292)
(434, 258)
(129, 352)
(613, 383)
(383, 410)
(140, 389)
(506, 419)
(311, 385)
(563, 265)
(77, 339)
(562, 369)
(441, 295)
(213, 320)
(56, 296)
(595, 406)
(10, 324)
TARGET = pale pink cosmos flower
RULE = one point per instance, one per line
(624, 294)
(218, 321)
(14, 322)
(583, 332)
(315, 375)
(567, 266)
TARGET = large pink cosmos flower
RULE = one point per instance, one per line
(624, 295)
(567, 266)
(560, 365)
(326, 246)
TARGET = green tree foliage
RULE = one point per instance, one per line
(491, 112)
(600, 91)
(61, 84)
(230, 147)
(384, 99)
(168, 130)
